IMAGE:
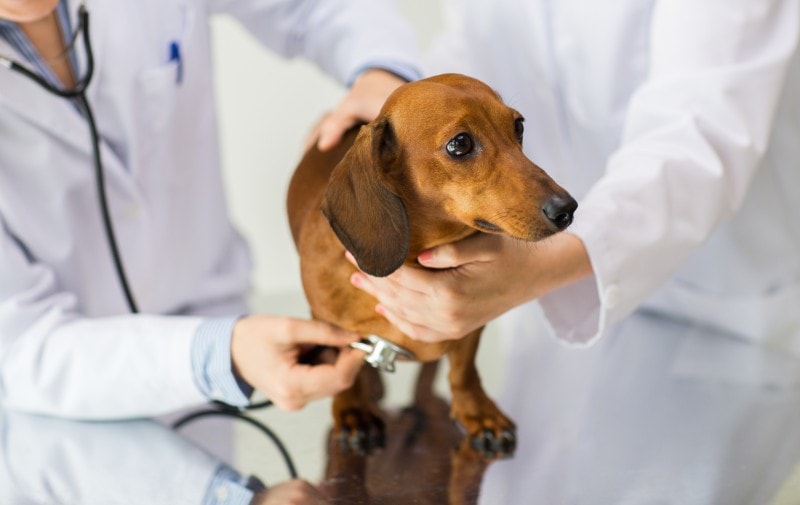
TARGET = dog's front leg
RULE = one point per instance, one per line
(358, 425)
(492, 433)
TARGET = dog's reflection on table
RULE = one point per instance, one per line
(421, 456)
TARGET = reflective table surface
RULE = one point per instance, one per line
(661, 412)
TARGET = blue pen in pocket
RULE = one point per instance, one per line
(175, 55)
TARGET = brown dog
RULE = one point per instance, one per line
(442, 161)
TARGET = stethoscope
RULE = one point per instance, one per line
(381, 353)
(78, 94)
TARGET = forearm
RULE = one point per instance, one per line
(104, 368)
(343, 37)
(560, 260)
(47, 460)
(695, 133)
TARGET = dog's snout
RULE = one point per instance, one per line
(559, 210)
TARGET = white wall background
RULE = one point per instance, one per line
(266, 106)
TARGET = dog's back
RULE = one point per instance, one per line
(310, 179)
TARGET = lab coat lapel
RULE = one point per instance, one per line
(52, 113)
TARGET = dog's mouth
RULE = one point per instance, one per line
(487, 226)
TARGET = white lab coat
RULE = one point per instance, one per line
(55, 461)
(674, 123)
(67, 345)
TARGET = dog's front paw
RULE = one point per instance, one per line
(492, 444)
(492, 434)
(360, 430)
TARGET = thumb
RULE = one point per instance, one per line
(332, 129)
(321, 333)
(469, 250)
(349, 363)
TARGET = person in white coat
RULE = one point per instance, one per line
(675, 126)
(69, 344)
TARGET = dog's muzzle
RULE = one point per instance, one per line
(381, 353)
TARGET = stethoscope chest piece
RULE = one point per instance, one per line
(381, 353)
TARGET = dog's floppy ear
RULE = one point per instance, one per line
(368, 218)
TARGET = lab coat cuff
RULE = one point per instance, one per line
(211, 363)
(581, 313)
(403, 70)
(574, 313)
(228, 487)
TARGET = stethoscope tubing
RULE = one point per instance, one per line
(78, 94)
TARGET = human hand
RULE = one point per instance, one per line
(361, 104)
(293, 492)
(468, 283)
(265, 352)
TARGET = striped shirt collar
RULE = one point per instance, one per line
(11, 33)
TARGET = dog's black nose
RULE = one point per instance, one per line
(559, 210)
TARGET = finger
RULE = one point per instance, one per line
(476, 247)
(411, 278)
(406, 281)
(321, 333)
(365, 283)
(313, 136)
(314, 382)
(388, 291)
(416, 332)
(351, 258)
(332, 129)
(348, 364)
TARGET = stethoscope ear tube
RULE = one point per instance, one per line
(82, 84)
(83, 103)
(78, 93)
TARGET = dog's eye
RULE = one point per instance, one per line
(460, 145)
(519, 128)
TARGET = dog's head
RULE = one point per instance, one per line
(443, 150)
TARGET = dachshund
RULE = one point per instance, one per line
(443, 160)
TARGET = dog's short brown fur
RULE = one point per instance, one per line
(394, 188)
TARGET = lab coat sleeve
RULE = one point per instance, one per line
(54, 361)
(694, 134)
(343, 37)
(45, 460)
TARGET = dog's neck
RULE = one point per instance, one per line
(430, 231)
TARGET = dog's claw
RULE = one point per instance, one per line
(492, 445)
(504, 445)
(360, 432)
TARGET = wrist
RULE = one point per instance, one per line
(378, 80)
(240, 335)
(558, 261)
